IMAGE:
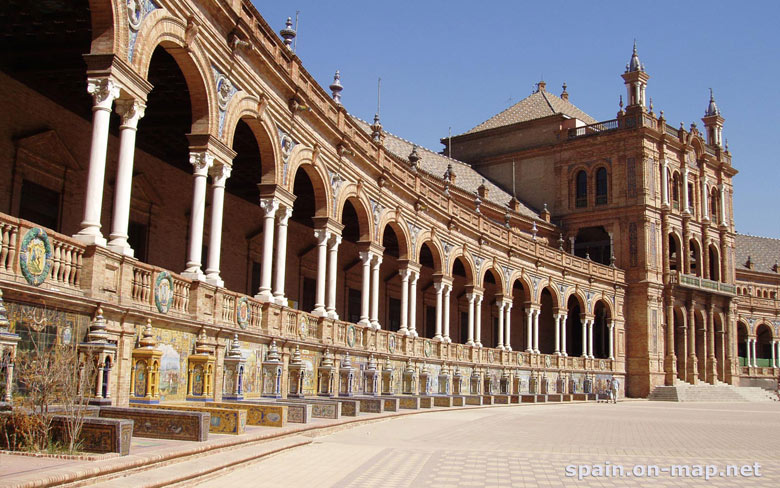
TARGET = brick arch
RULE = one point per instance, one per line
(764, 323)
(499, 275)
(528, 287)
(302, 157)
(577, 294)
(162, 29)
(245, 108)
(436, 250)
(469, 267)
(362, 207)
(109, 27)
(607, 304)
(398, 225)
(554, 292)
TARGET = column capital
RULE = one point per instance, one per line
(201, 162)
(438, 286)
(470, 297)
(220, 172)
(404, 273)
(104, 91)
(269, 206)
(130, 111)
(376, 261)
(284, 215)
(365, 257)
(335, 240)
(321, 235)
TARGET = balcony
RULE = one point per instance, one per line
(697, 283)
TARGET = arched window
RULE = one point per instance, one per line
(714, 204)
(676, 191)
(601, 186)
(582, 190)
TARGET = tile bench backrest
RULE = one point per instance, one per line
(163, 424)
(223, 420)
(266, 415)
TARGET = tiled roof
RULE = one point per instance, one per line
(540, 104)
(466, 178)
(764, 252)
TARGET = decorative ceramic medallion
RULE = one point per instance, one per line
(35, 256)
(490, 356)
(460, 352)
(66, 336)
(303, 327)
(547, 361)
(163, 292)
(351, 334)
(243, 312)
(391, 343)
(519, 359)
(427, 348)
(602, 364)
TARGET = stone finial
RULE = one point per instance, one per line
(296, 357)
(235, 347)
(505, 374)
(97, 329)
(148, 340)
(445, 370)
(477, 203)
(372, 366)
(457, 372)
(507, 218)
(202, 345)
(620, 104)
(346, 363)
(273, 356)
(560, 241)
(388, 364)
(409, 369)
(564, 93)
(475, 372)
(327, 359)
(749, 263)
(534, 231)
(5, 324)
(376, 129)
(414, 158)
(288, 33)
(336, 88)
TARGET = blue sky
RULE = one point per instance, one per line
(455, 64)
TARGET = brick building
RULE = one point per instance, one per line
(204, 183)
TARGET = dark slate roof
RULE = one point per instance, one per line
(466, 178)
(764, 252)
(540, 104)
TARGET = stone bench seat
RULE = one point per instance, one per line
(374, 404)
(264, 415)
(554, 397)
(223, 420)
(297, 413)
(163, 424)
(442, 401)
(474, 399)
(501, 399)
(98, 434)
(321, 408)
(533, 398)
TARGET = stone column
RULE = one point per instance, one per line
(563, 335)
(590, 338)
(612, 339)
(584, 320)
(269, 207)
(322, 237)
(280, 266)
(557, 335)
(693, 371)
(470, 297)
(685, 207)
(219, 174)
(508, 325)
(201, 163)
(447, 325)
(753, 350)
(536, 330)
(500, 305)
(413, 303)
(375, 291)
(478, 321)
(774, 354)
(333, 255)
(365, 294)
(712, 360)
(103, 91)
(130, 112)
(705, 199)
(404, 329)
(529, 316)
(438, 287)
(670, 358)
(664, 183)
(722, 190)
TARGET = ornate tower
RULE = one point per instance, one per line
(635, 79)
(713, 123)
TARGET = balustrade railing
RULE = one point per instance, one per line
(691, 281)
(8, 243)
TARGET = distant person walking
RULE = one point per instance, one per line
(614, 388)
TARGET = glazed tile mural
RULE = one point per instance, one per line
(51, 325)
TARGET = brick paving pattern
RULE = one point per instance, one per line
(531, 446)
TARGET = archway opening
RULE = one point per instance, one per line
(574, 327)
(459, 313)
(742, 343)
(426, 314)
(489, 322)
(390, 280)
(714, 263)
(547, 323)
(601, 318)
(593, 243)
(520, 297)
(763, 346)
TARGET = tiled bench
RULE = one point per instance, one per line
(223, 420)
(554, 397)
(321, 408)
(409, 402)
(487, 399)
(97, 434)
(458, 401)
(265, 415)
(163, 424)
(371, 404)
(474, 399)
(297, 413)
(501, 399)
(442, 401)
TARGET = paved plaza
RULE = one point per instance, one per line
(521, 446)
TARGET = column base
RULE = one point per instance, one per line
(215, 279)
(508, 348)
(470, 343)
(89, 238)
(375, 325)
(536, 351)
(364, 322)
(529, 350)
(122, 248)
(264, 296)
(280, 300)
(319, 311)
(414, 333)
(500, 347)
(437, 338)
(479, 344)
(333, 315)
(194, 274)
(447, 340)
(403, 331)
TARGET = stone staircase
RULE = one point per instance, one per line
(704, 392)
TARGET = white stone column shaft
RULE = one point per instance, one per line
(478, 321)
(584, 337)
(447, 325)
(333, 263)
(722, 204)
(536, 330)
(774, 357)
(685, 206)
(365, 293)
(557, 335)
(508, 325)
(219, 173)
(563, 335)
(322, 237)
(413, 303)
(375, 291)
(104, 91)
(438, 287)
(590, 338)
(269, 207)
(471, 298)
(280, 266)
(612, 339)
(500, 305)
(404, 326)
(753, 349)
(201, 163)
(664, 183)
(130, 112)
(529, 315)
